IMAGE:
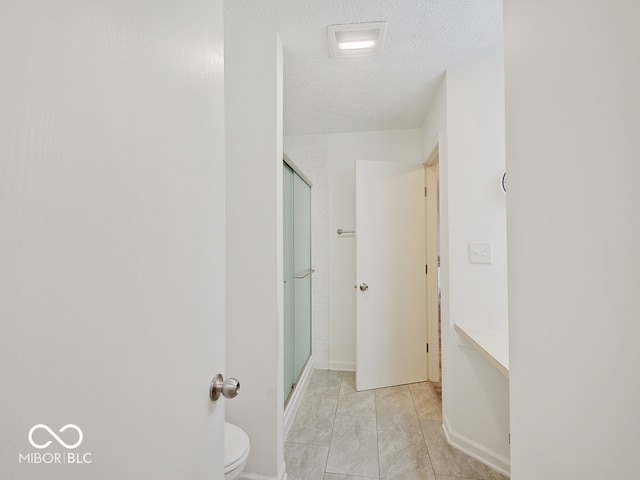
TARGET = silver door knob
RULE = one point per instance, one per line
(228, 388)
(364, 287)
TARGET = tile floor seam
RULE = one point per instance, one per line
(375, 409)
(461, 478)
(464, 478)
(307, 443)
(424, 439)
(353, 415)
(355, 476)
(333, 426)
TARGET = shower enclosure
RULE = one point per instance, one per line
(297, 275)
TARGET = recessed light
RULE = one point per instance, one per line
(356, 39)
(356, 45)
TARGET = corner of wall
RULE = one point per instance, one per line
(253, 79)
(475, 450)
(466, 121)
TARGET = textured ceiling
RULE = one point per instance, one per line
(391, 91)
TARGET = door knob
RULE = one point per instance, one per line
(228, 388)
(364, 287)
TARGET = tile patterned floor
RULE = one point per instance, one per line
(386, 434)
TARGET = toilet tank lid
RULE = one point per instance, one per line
(236, 443)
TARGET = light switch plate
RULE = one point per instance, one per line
(480, 252)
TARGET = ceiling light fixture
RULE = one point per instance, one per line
(357, 39)
(356, 45)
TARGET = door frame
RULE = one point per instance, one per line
(286, 159)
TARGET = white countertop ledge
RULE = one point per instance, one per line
(493, 346)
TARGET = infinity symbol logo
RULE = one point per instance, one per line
(52, 433)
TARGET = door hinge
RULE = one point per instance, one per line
(425, 191)
(427, 348)
(509, 438)
(426, 269)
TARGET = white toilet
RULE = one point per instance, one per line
(236, 451)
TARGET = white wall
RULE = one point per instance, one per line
(331, 160)
(401, 146)
(253, 96)
(477, 203)
(111, 238)
(342, 256)
(573, 112)
(434, 127)
(467, 118)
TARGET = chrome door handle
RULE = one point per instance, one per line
(305, 274)
(228, 388)
(364, 287)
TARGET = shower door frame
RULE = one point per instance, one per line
(293, 276)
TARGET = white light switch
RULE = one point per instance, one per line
(480, 252)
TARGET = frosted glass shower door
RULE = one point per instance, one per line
(297, 276)
(302, 265)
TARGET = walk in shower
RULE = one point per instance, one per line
(297, 275)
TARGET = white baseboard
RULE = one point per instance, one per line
(344, 366)
(490, 458)
(256, 476)
(283, 471)
(296, 396)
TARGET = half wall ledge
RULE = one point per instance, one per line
(493, 346)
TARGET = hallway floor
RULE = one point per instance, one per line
(388, 433)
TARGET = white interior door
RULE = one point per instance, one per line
(112, 247)
(390, 255)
